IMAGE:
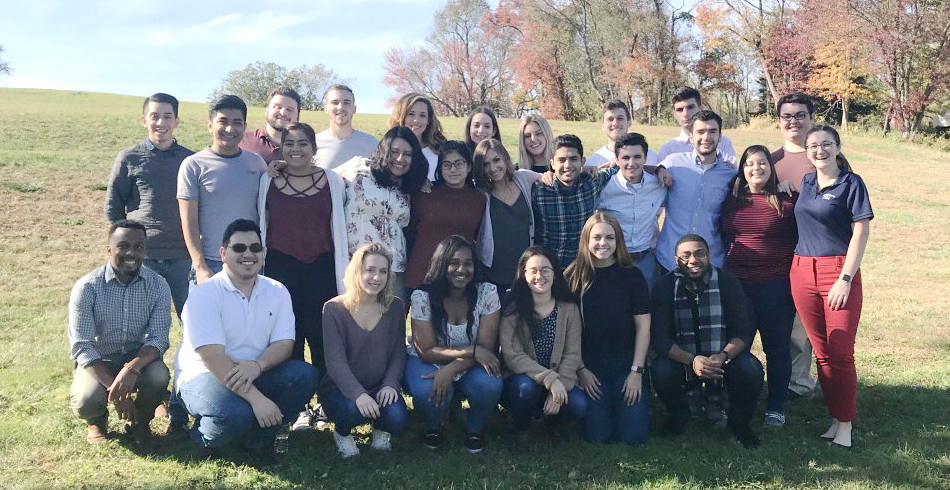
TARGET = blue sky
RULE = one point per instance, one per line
(185, 48)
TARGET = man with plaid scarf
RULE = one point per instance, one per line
(700, 331)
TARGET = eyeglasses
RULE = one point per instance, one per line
(799, 116)
(699, 254)
(543, 271)
(240, 248)
(827, 145)
(457, 165)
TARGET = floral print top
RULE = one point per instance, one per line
(375, 214)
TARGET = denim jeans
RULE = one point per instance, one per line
(345, 415)
(221, 416)
(649, 267)
(480, 388)
(743, 379)
(175, 272)
(772, 311)
(610, 419)
(525, 399)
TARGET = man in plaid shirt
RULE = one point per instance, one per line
(119, 315)
(561, 209)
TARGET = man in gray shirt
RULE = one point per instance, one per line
(218, 185)
(340, 142)
(142, 187)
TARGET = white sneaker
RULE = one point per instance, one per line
(346, 445)
(381, 440)
(304, 421)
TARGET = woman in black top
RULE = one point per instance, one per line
(616, 334)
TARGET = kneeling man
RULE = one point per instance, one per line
(119, 315)
(700, 329)
(233, 368)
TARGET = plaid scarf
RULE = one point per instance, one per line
(697, 310)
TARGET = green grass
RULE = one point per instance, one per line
(56, 150)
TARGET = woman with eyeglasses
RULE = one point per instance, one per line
(833, 213)
(759, 235)
(453, 207)
(541, 345)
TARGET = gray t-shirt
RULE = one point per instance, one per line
(333, 152)
(226, 190)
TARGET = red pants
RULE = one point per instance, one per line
(831, 333)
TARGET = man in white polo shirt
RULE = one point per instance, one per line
(686, 103)
(341, 142)
(616, 123)
(233, 369)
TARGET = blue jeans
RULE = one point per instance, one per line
(610, 419)
(345, 415)
(525, 399)
(648, 266)
(773, 312)
(175, 272)
(221, 416)
(480, 388)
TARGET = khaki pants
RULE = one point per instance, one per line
(89, 399)
(802, 382)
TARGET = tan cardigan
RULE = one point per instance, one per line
(517, 348)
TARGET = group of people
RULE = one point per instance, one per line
(546, 285)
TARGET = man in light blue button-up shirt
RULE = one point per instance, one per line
(701, 181)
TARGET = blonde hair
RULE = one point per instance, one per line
(351, 278)
(432, 137)
(524, 158)
(580, 274)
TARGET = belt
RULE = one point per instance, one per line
(639, 255)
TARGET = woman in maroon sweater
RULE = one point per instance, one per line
(759, 235)
(454, 207)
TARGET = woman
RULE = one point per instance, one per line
(615, 303)
(378, 194)
(541, 344)
(415, 112)
(303, 226)
(364, 333)
(508, 217)
(833, 214)
(454, 341)
(481, 125)
(534, 144)
(453, 207)
(759, 235)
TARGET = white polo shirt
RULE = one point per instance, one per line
(604, 155)
(218, 313)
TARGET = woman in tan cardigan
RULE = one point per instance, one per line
(541, 344)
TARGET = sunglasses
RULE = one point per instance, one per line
(240, 248)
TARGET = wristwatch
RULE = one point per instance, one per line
(636, 369)
(845, 278)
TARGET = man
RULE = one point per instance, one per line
(119, 315)
(283, 108)
(616, 123)
(686, 103)
(700, 332)
(341, 142)
(694, 202)
(233, 368)
(142, 187)
(796, 113)
(217, 185)
(635, 197)
(561, 209)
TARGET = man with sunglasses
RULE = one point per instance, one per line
(700, 331)
(233, 369)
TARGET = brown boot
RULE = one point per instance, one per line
(97, 434)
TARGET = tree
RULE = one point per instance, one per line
(257, 79)
(5, 69)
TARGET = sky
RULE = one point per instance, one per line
(185, 48)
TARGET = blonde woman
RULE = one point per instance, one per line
(534, 144)
(364, 334)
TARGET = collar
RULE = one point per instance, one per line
(683, 136)
(110, 274)
(699, 162)
(228, 284)
(261, 134)
(812, 178)
(151, 146)
(626, 183)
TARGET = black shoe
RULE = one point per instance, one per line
(140, 433)
(176, 433)
(263, 457)
(675, 426)
(744, 435)
(474, 442)
(199, 454)
(432, 438)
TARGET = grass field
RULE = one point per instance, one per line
(56, 150)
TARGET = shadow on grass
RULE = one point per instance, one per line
(901, 440)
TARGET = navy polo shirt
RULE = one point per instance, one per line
(825, 216)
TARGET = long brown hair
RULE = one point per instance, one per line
(479, 163)
(739, 196)
(432, 137)
(580, 274)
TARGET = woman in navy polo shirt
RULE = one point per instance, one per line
(833, 214)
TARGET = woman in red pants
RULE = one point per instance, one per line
(833, 214)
